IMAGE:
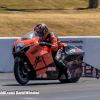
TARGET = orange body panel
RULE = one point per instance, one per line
(28, 42)
(37, 55)
(48, 61)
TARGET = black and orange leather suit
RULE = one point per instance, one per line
(52, 42)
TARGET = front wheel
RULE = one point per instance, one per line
(22, 75)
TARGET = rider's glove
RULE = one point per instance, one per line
(45, 44)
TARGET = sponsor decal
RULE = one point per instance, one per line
(34, 52)
(89, 75)
(39, 75)
(31, 42)
(37, 60)
(83, 71)
(51, 69)
(98, 75)
(88, 67)
(88, 71)
(21, 41)
(94, 72)
(44, 75)
(83, 64)
(73, 41)
(78, 43)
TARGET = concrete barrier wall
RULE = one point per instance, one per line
(6, 58)
(89, 44)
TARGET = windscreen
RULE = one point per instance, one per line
(30, 35)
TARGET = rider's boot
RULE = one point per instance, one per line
(68, 74)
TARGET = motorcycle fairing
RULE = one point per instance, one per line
(48, 61)
(49, 74)
(41, 59)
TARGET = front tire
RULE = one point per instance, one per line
(21, 74)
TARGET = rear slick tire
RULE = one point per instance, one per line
(72, 80)
(19, 76)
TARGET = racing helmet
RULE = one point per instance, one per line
(42, 31)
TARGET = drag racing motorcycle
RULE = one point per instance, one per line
(35, 62)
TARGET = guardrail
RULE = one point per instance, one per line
(89, 44)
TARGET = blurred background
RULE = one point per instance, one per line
(64, 17)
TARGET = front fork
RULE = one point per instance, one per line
(22, 61)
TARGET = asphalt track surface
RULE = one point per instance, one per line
(84, 89)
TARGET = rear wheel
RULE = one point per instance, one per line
(21, 73)
(69, 80)
(72, 80)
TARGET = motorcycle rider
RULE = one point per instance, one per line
(51, 40)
